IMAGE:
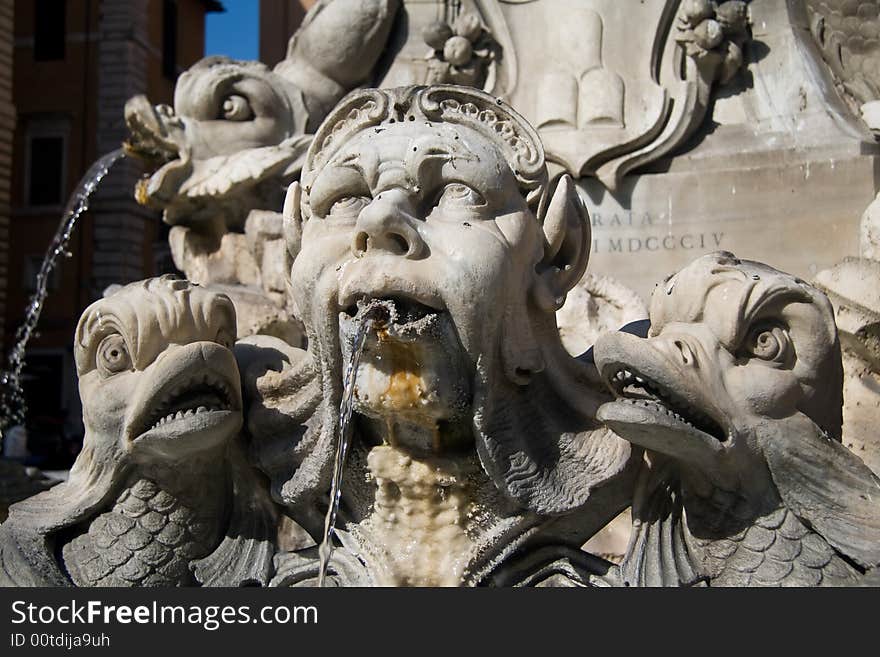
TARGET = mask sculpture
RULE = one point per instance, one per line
(474, 432)
(161, 494)
(736, 395)
(235, 139)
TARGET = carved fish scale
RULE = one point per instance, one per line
(776, 550)
(148, 538)
(849, 33)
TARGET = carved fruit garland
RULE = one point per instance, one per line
(713, 34)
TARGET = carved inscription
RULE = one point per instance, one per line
(654, 234)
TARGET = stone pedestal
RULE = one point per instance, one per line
(780, 172)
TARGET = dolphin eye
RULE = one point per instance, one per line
(770, 343)
(459, 195)
(113, 356)
(236, 108)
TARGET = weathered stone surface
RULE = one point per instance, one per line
(594, 305)
(851, 286)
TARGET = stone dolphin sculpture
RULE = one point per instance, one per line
(736, 395)
(161, 494)
(238, 130)
(223, 156)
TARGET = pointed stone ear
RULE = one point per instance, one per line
(567, 246)
(292, 214)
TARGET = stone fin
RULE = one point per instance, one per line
(830, 489)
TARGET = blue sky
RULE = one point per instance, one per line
(234, 33)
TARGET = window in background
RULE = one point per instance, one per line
(169, 39)
(45, 161)
(46, 170)
(49, 29)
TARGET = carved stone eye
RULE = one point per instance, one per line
(769, 343)
(236, 108)
(113, 356)
(225, 338)
(459, 195)
(348, 206)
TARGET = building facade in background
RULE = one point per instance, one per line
(74, 64)
(279, 19)
(7, 132)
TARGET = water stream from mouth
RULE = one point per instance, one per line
(13, 407)
(366, 317)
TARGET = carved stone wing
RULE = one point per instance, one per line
(225, 174)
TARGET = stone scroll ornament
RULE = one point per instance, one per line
(605, 103)
(476, 456)
(161, 494)
(736, 395)
(235, 138)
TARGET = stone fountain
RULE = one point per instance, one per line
(391, 367)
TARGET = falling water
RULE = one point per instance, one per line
(12, 403)
(365, 318)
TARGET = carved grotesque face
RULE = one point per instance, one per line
(156, 373)
(429, 218)
(734, 345)
(428, 211)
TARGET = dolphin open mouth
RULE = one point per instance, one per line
(204, 394)
(199, 403)
(148, 137)
(647, 397)
(153, 138)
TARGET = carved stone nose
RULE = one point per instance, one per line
(385, 226)
(389, 241)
